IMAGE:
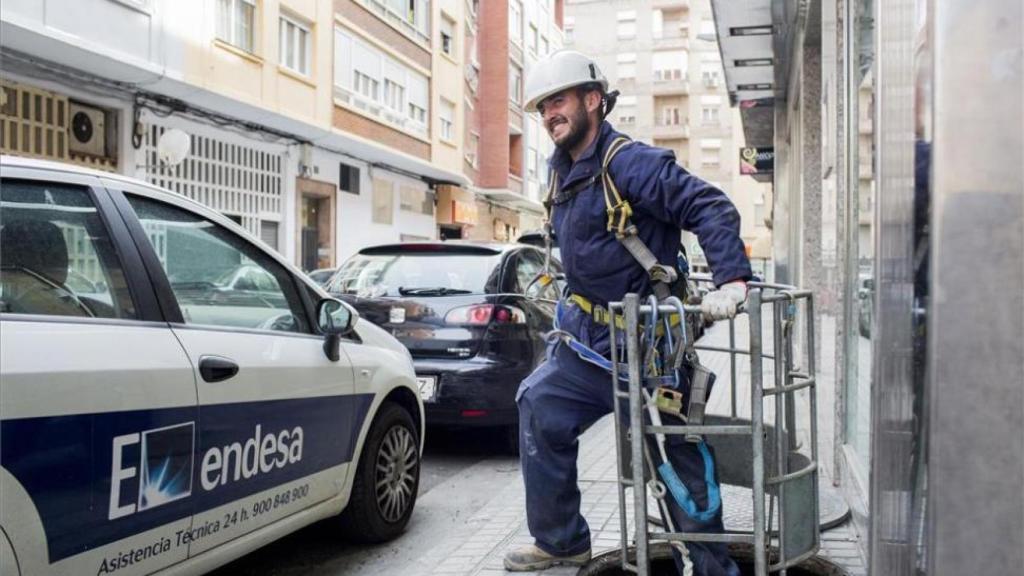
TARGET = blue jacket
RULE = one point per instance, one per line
(665, 199)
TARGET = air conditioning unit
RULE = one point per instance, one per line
(88, 130)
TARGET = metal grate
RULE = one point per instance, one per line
(33, 122)
(240, 181)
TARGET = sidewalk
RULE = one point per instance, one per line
(478, 546)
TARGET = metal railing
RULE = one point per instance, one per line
(795, 490)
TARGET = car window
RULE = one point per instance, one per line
(400, 274)
(218, 277)
(529, 263)
(56, 257)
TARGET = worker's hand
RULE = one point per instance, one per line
(721, 304)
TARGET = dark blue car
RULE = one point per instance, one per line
(460, 309)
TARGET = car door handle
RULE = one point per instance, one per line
(217, 368)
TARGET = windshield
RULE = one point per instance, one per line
(422, 274)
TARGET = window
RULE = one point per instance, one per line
(219, 278)
(709, 114)
(534, 38)
(366, 85)
(710, 158)
(569, 25)
(626, 65)
(419, 95)
(626, 109)
(383, 201)
(295, 46)
(447, 35)
(710, 78)
(410, 16)
(236, 21)
(669, 65)
(626, 28)
(447, 116)
(670, 116)
(416, 201)
(370, 81)
(394, 94)
(472, 149)
(528, 265)
(531, 163)
(348, 180)
(515, 82)
(57, 258)
(515, 21)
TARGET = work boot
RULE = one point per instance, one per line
(531, 558)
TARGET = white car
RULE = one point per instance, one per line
(150, 426)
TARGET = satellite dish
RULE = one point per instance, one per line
(173, 147)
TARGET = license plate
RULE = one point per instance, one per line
(428, 387)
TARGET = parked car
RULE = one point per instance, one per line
(459, 307)
(695, 290)
(322, 275)
(155, 426)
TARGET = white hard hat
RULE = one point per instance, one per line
(561, 70)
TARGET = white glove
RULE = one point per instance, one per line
(721, 304)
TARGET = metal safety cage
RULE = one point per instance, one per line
(777, 476)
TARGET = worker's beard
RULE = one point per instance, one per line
(579, 127)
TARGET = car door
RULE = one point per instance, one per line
(539, 298)
(98, 404)
(277, 416)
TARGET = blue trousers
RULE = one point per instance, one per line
(563, 397)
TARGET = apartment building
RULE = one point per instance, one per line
(505, 150)
(319, 125)
(663, 56)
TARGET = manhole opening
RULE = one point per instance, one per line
(609, 563)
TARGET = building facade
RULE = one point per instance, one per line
(899, 200)
(663, 58)
(320, 126)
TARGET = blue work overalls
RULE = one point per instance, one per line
(566, 394)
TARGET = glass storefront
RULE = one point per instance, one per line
(861, 232)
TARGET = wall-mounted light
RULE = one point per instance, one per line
(761, 86)
(765, 30)
(750, 62)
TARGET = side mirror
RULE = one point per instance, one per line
(334, 319)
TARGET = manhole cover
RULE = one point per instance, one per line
(610, 563)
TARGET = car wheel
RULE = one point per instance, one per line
(387, 480)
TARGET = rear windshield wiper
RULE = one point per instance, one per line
(431, 291)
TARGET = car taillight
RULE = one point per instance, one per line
(482, 314)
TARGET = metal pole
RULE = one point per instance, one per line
(781, 453)
(732, 364)
(757, 426)
(620, 448)
(789, 316)
(812, 371)
(631, 310)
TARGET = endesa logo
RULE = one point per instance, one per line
(159, 462)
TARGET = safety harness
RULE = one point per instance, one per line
(658, 333)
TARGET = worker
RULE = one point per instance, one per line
(566, 393)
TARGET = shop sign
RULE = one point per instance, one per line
(757, 160)
(464, 212)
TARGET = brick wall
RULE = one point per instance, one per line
(373, 25)
(360, 125)
(493, 108)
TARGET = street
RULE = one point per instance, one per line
(461, 472)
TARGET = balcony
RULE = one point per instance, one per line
(671, 131)
(670, 87)
(669, 4)
(676, 41)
